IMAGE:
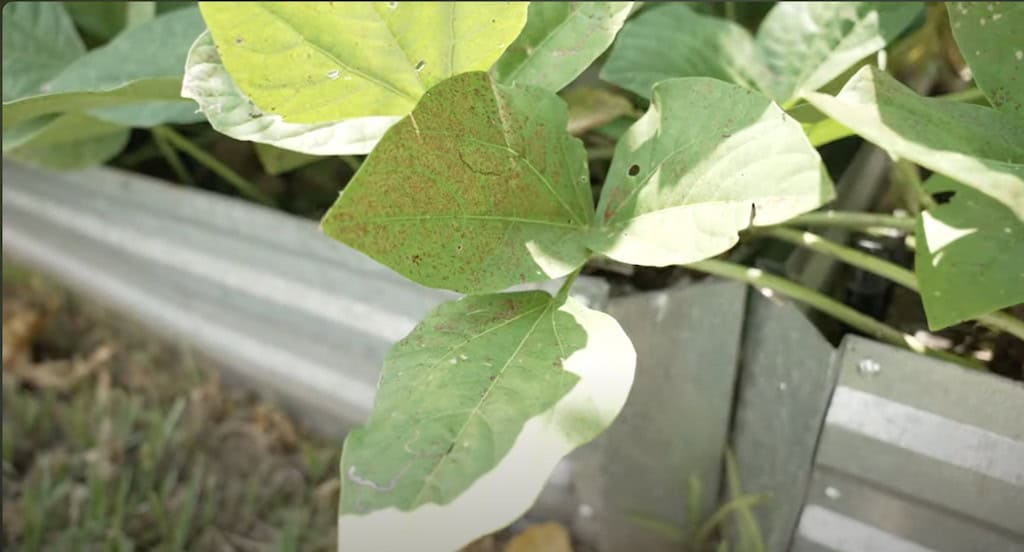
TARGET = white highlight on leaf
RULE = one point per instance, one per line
(940, 234)
(230, 112)
(605, 368)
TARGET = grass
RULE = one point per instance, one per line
(114, 442)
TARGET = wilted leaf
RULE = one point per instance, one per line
(807, 44)
(970, 255)
(707, 160)
(671, 41)
(317, 62)
(560, 40)
(989, 36)
(474, 410)
(39, 41)
(479, 189)
(133, 68)
(976, 145)
(232, 113)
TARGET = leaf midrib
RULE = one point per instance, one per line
(483, 398)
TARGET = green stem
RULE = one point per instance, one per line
(972, 94)
(563, 292)
(352, 162)
(996, 320)
(243, 186)
(172, 158)
(854, 220)
(596, 154)
(730, 11)
(853, 318)
(906, 174)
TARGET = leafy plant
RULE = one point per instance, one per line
(474, 183)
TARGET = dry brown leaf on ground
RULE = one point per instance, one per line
(63, 375)
(21, 324)
(544, 537)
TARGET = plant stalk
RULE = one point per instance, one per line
(839, 311)
(244, 187)
(853, 220)
(172, 158)
(995, 320)
(563, 292)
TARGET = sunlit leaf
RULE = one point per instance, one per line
(479, 189)
(560, 40)
(976, 145)
(229, 111)
(316, 62)
(707, 160)
(474, 409)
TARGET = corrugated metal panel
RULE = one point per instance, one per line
(281, 306)
(916, 454)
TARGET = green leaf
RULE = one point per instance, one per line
(71, 141)
(674, 41)
(99, 20)
(230, 112)
(591, 107)
(560, 40)
(799, 47)
(133, 68)
(819, 128)
(322, 62)
(976, 145)
(707, 160)
(279, 161)
(149, 114)
(474, 409)
(989, 36)
(39, 41)
(970, 255)
(807, 44)
(480, 188)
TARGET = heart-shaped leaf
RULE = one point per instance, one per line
(480, 188)
(989, 36)
(970, 255)
(560, 40)
(134, 68)
(975, 145)
(799, 47)
(71, 141)
(474, 409)
(707, 160)
(672, 41)
(39, 42)
(230, 112)
(317, 62)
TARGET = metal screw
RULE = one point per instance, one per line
(868, 367)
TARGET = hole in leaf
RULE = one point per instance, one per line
(419, 65)
(943, 197)
(634, 170)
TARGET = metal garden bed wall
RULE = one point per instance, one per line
(864, 447)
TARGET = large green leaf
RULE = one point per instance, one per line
(480, 188)
(71, 141)
(232, 113)
(970, 255)
(39, 41)
(671, 41)
(807, 44)
(976, 145)
(799, 47)
(474, 409)
(560, 40)
(707, 160)
(316, 62)
(133, 68)
(989, 36)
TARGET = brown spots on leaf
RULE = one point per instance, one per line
(415, 259)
